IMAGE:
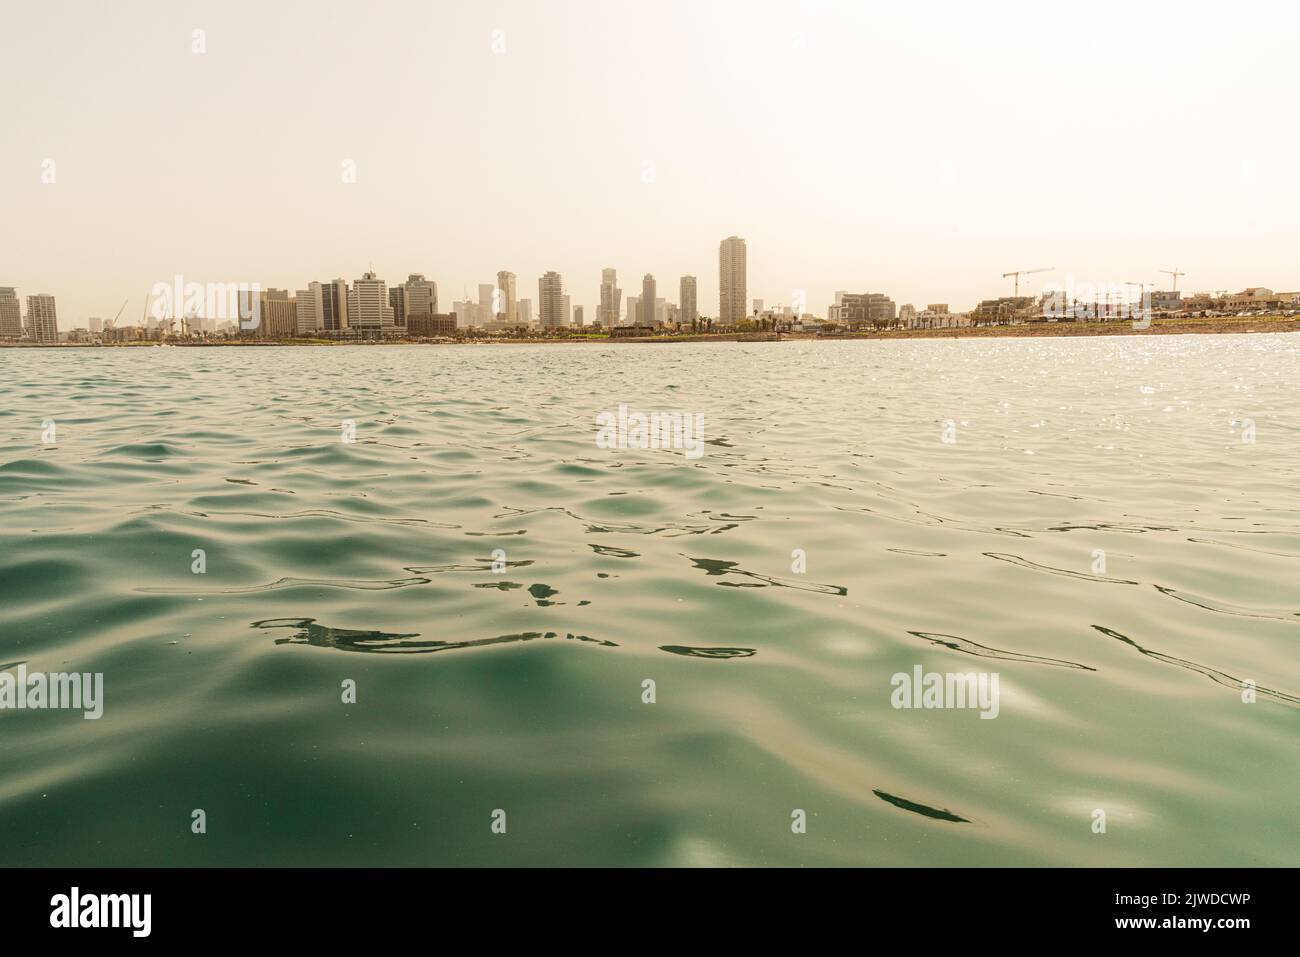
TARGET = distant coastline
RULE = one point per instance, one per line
(1026, 330)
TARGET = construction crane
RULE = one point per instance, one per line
(1025, 272)
(113, 322)
(1175, 273)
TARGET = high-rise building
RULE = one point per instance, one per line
(610, 298)
(577, 316)
(333, 304)
(415, 297)
(421, 295)
(466, 313)
(11, 314)
(397, 300)
(279, 315)
(307, 305)
(95, 324)
(509, 309)
(633, 311)
(688, 312)
(731, 280)
(42, 321)
(525, 312)
(368, 306)
(550, 297)
(648, 299)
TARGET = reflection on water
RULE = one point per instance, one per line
(921, 809)
(708, 652)
(1237, 684)
(307, 632)
(644, 669)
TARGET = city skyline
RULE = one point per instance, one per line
(931, 192)
(370, 305)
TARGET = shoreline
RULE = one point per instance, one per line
(1033, 330)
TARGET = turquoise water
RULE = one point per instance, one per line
(520, 689)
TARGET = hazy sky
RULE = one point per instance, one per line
(916, 150)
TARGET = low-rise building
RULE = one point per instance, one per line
(431, 326)
(863, 310)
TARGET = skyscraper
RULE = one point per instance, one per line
(42, 322)
(11, 314)
(368, 306)
(421, 295)
(333, 300)
(307, 303)
(731, 280)
(611, 298)
(550, 296)
(648, 300)
(509, 310)
(689, 312)
(397, 299)
(279, 315)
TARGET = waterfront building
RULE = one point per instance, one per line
(688, 311)
(11, 314)
(368, 307)
(550, 299)
(509, 308)
(731, 280)
(863, 310)
(42, 320)
(331, 301)
(611, 298)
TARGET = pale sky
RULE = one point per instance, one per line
(920, 150)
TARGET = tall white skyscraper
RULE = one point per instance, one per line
(486, 290)
(11, 314)
(633, 310)
(611, 298)
(42, 321)
(550, 297)
(368, 306)
(648, 288)
(308, 304)
(731, 280)
(689, 310)
(509, 297)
